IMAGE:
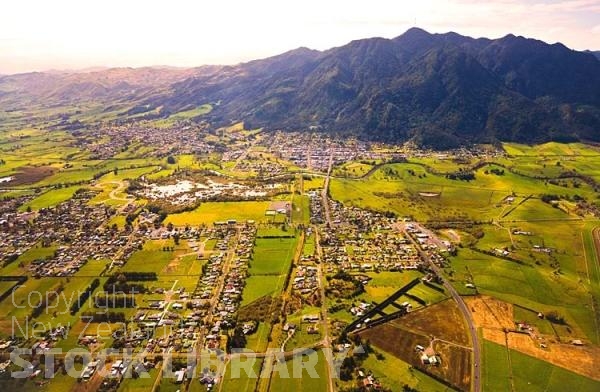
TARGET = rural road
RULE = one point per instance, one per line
(476, 370)
(326, 340)
(325, 189)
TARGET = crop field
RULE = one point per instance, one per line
(442, 320)
(400, 342)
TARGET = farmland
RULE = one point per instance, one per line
(209, 212)
(509, 369)
(245, 249)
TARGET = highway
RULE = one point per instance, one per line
(476, 369)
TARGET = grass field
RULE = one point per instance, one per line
(243, 381)
(211, 212)
(394, 373)
(272, 256)
(50, 198)
(496, 370)
(33, 253)
(400, 188)
(529, 374)
(352, 169)
(151, 258)
(259, 286)
(269, 267)
(291, 376)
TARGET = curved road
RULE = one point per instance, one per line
(476, 370)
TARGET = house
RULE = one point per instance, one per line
(310, 318)
(179, 376)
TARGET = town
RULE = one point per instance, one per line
(161, 246)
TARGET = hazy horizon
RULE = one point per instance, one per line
(71, 35)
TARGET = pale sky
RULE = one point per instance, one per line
(72, 34)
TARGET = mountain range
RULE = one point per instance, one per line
(439, 90)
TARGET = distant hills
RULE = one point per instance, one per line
(440, 90)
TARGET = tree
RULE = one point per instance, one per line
(554, 317)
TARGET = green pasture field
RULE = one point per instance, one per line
(309, 245)
(550, 149)
(160, 174)
(552, 159)
(211, 212)
(315, 182)
(119, 220)
(393, 373)
(258, 286)
(428, 196)
(352, 169)
(529, 373)
(258, 341)
(183, 115)
(439, 164)
(104, 196)
(532, 374)
(300, 209)
(83, 171)
(534, 287)
(245, 382)
(50, 198)
(523, 315)
(149, 259)
(33, 253)
(385, 283)
(272, 256)
(135, 151)
(496, 371)
(139, 384)
(17, 307)
(269, 267)
(60, 383)
(274, 231)
(317, 382)
(127, 174)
